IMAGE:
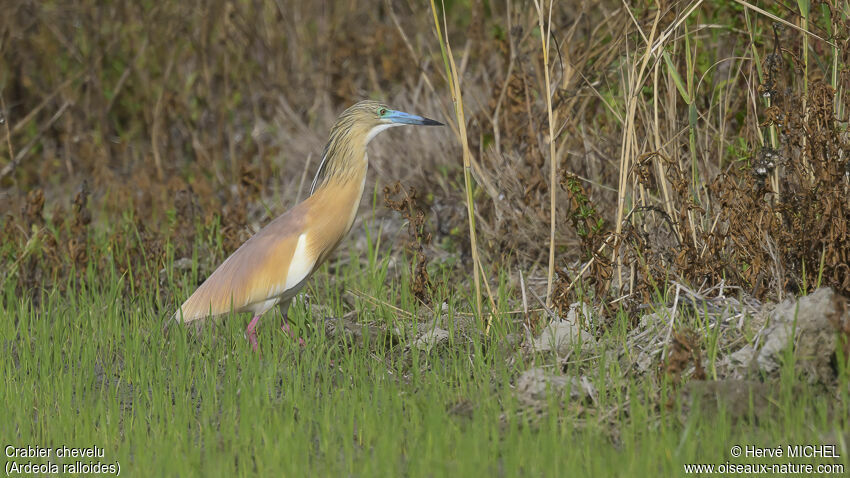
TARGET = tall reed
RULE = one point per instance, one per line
(457, 99)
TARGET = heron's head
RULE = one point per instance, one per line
(345, 152)
(372, 117)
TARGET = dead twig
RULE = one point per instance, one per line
(9, 168)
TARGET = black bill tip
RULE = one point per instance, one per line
(430, 122)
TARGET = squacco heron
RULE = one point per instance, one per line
(272, 266)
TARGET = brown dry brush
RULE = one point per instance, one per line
(651, 242)
(686, 348)
(410, 209)
(30, 223)
(159, 108)
(158, 116)
(79, 233)
(648, 242)
(797, 238)
(590, 227)
(768, 242)
(56, 250)
(40, 259)
(195, 123)
(515, 221)
(186, 214)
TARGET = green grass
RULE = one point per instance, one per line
(87, 364)
(91, 367)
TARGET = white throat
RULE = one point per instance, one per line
(377, 129)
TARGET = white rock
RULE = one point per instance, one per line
(588, 317)
(560, 335)
(430, 339)
(533, 386)
(743, 357)
(808, 322)
(644, 362)
(656, 319)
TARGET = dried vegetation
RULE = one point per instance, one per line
(722, 135)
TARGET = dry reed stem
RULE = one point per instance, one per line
(553, 162)
(379, 303)
(637, 79)
(457, 98)
(782, 21)
(493, 307)
(804, 25)
(665, 187)
(22, 153)
(47, 99)
(5, 120)
(157, 122)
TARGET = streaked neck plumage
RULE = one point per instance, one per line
(341, 178)
(344, 158)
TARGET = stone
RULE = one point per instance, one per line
(430, 339)
(534, 385)
(561, 335)
(808, 322)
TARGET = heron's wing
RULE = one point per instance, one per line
(262, 268)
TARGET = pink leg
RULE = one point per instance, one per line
(284, 326)
(251, 332)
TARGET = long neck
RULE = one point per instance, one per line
(333, 208)
(344, 158)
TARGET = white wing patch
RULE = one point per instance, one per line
(301, 265)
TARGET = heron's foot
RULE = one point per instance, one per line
(251, 332)
(284, 326)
